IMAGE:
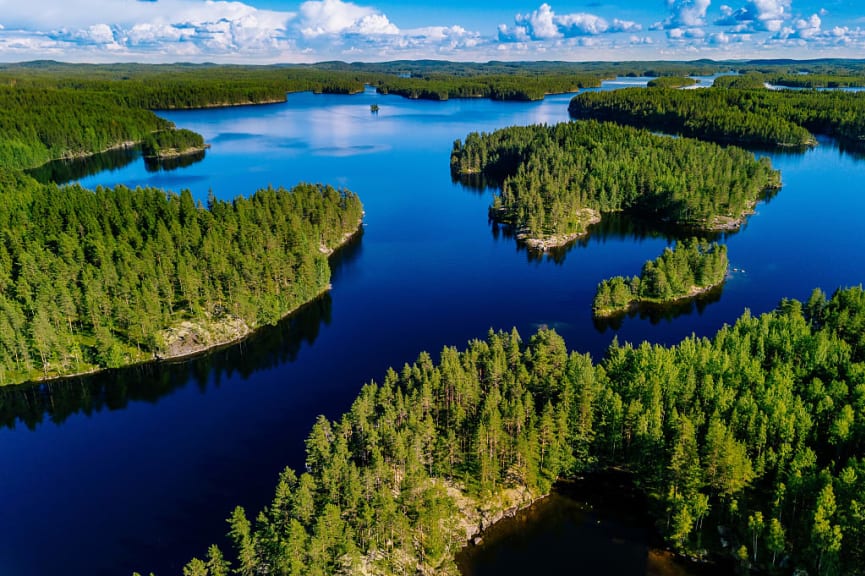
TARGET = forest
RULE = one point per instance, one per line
(550, 176)
(495, 87)
(113, 276)
(38, 125)
(688, 269)
(166, 143)
(772, 118)
(758, 430)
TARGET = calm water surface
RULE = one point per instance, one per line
(138, 469)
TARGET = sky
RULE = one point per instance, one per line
(285, 31)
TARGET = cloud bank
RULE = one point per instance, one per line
(315, 30)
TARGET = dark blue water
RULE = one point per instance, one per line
(138, 469)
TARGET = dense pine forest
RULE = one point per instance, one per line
(752, 116)
(104, 278)
(554, 177)
(758, 430)
(684, 271)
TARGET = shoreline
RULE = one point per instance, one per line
(175, 153)
(185, 353)
(694, 292)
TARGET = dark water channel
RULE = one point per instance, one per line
(137, 469)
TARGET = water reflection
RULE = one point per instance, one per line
(57, 400)
(63, 171)
(598, 524)
(70, 170)
(173, 162)
(656, 313)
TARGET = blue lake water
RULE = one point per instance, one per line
(138, 469)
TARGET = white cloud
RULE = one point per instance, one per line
(332, 17)
(545, 24)
(756, 15)
(808, 28)
(684, 14)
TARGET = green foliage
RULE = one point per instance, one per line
(496, 87)
(550, 174)
(689, 268)
(729, 430)
(94, 278)
(671, 82)
(171, 142)
(732, 115)
(38, 125)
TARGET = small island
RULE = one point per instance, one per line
(672, 82)
(557, 180)
(172, 143)
(691, 268)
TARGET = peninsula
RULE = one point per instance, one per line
(557, 180)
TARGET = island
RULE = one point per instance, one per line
(672, 82)
(555, 181)
(751, 434)
(689, 269)
(172, 143)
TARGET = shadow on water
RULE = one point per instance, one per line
(656, 313)
(70, 170)
(613, 226)
(598, 524)
(57, 400)
(63, 171)
(173, 162)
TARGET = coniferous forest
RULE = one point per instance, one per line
(551, 175)
(104, 278)
(757, 430)
(686, 270)
(753, 116)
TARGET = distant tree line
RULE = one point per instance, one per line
(759, 430)
(548, 174)
(495, 87)
(754, 117)
(94, 279)
(685, 270)
(671, 82)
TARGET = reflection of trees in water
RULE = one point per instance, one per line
(63, 171)
(613, 226)
(271, 346)
(173, 162)
(655, 313)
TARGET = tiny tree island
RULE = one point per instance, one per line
(691, 268)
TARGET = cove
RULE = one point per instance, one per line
(138, 469)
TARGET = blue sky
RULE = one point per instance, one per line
(266, 31)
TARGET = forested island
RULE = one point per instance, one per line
(172, 143)
(691, 268)
(753, 116)
(113, 276)
(754, 434)
(555, 180)
(671, 82)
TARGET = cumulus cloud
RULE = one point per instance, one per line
(545, 24)
(684, 14)
(331, 17)
(755, 15)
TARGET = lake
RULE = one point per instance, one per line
(137, 469)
